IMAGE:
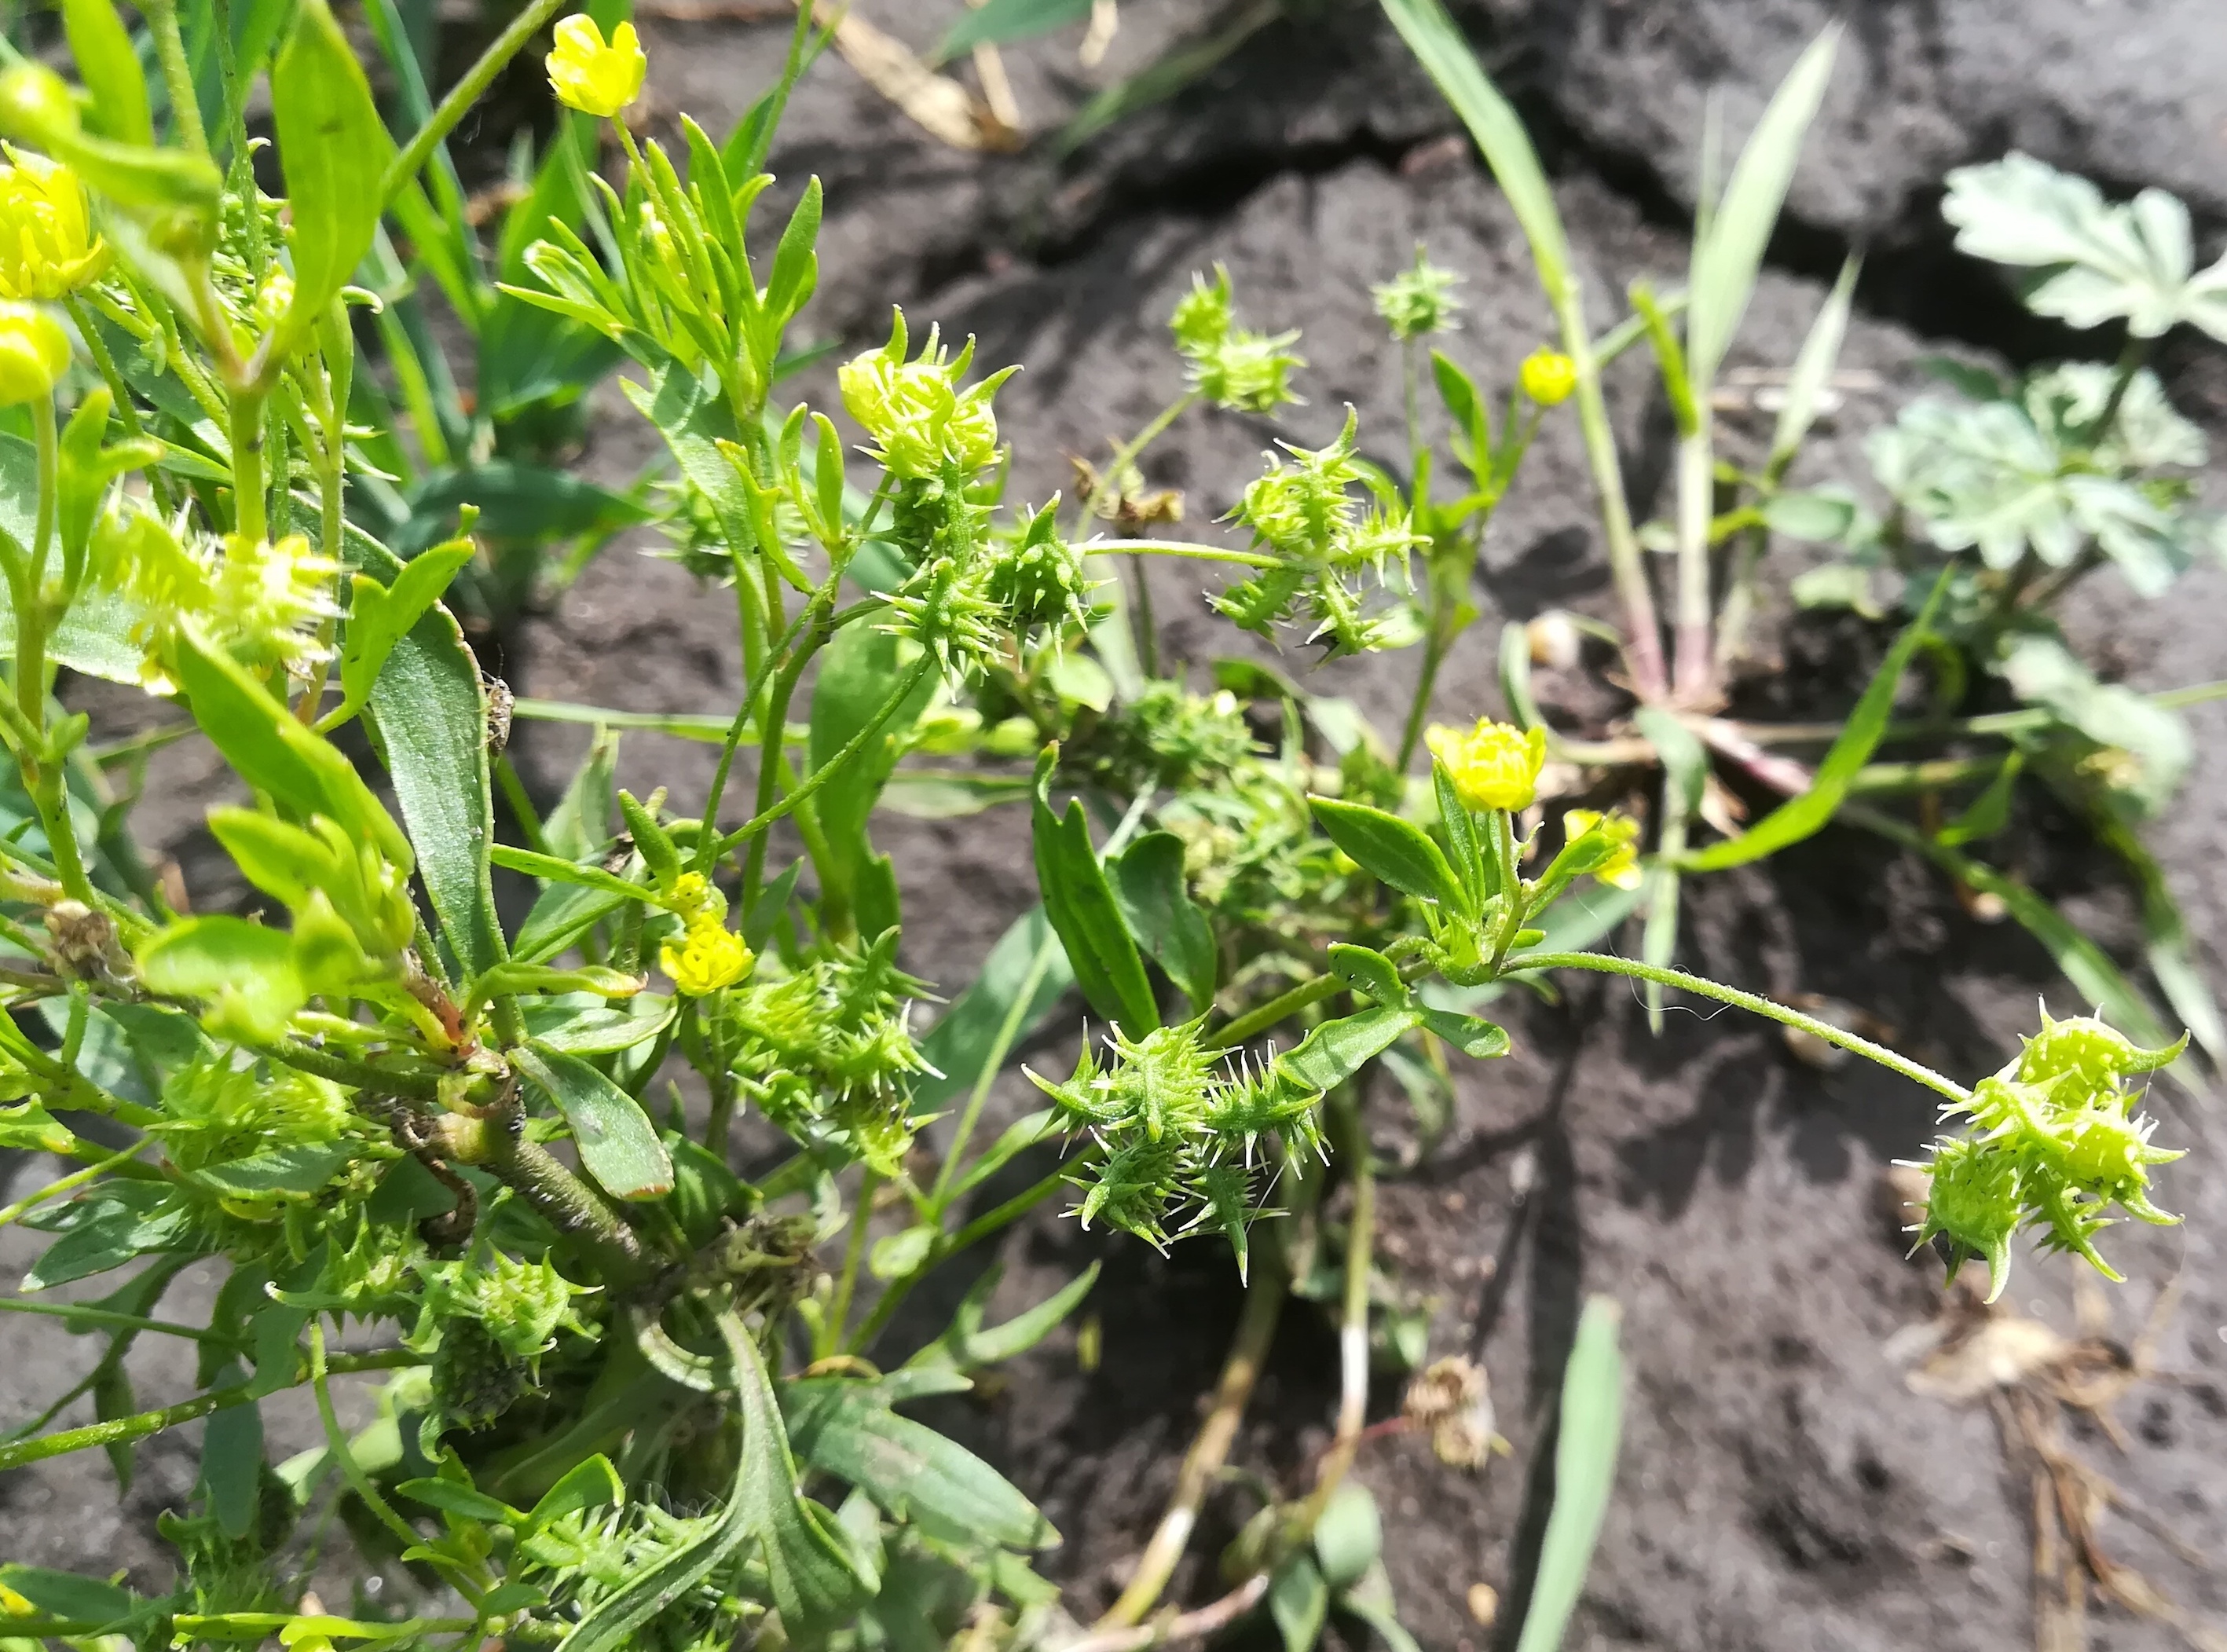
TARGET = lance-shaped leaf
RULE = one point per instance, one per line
(1084, 914)
(1393, 850)
(618, 1144)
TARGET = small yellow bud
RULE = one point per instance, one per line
(692, 893)
(1622, 867)
(47, 248)
(1493, 766)
(34, 351)
(1548, 376)
(708, 957)
(592, 77)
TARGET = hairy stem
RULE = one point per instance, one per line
(461, 96)
(177, 74)
(121, 1431)
(837, 1318)
(993, 1060)
(1754, 1004)
(827, 771)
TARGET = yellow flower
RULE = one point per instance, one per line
(1548, 376)
(1493, 766)
(1622, 866)
(708, 957)
(47, 248)
(34, 353)
(594, 77)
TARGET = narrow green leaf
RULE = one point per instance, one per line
(2097, 980)
(819, 1580)
(334, 148)
(455, 1497)
(244, 974)
(845, 1428)
(593, 1484)
(1478, 1040)
(1801, 816)
(1148, 882)
(965, 1346)
(1726, 258)
(1585, 1474)
(379, 616)
(855, 674)
(1371, 974)
(1298, 1602)
(1813, 368)
(1395, 850)
(1335, 1050)
(107, 62)
(618, 1144)
(1083, 912)
(270, 751)
(1000, 22)
(565, 872)
(1446, 57)
(428, 713)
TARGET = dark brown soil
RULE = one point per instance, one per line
(1780, 1486)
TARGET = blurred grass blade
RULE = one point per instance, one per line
(1803, 816)
(1162, 80)
(2099, 981)
(1726, 258)
(1439, 45)
(2165, 937)
(999, 23)
(1584, 1473)
(1813, 367)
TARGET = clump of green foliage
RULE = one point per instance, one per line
(617, 1388)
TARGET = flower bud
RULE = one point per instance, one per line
(592, 77)
(34, 351)
(36, 104)
(1618, 833)
(1548, 376)
(47, 248)
(1494, 766)
(1420, 300)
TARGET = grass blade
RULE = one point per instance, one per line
(1726, 258)
(1813, 366)
(1440, 46)
(1803, 816)
(1584, 1473)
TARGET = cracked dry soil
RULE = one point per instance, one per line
(1780, 1486)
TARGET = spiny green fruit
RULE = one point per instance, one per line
(475, 1381)
(2051, 1145)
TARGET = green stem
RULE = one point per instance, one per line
(249, 519)
(828, 770)
(990, 1222)
(708, 847)
(2131, 358)
(837, 1319)
(1275, 1009)
(81, 1314)
(451, 109)
(1147, 629)
(357, 1075)
(122, 1429)
(993, 1061)
(1210, 1450)
(64, 1184)
(336, 1442)
(177, 74)
(773, 719)
(1627, 563)
(1420, 707)
(1181, 548)
(42, 768)
(1352, 1331)
(1754, 1004)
